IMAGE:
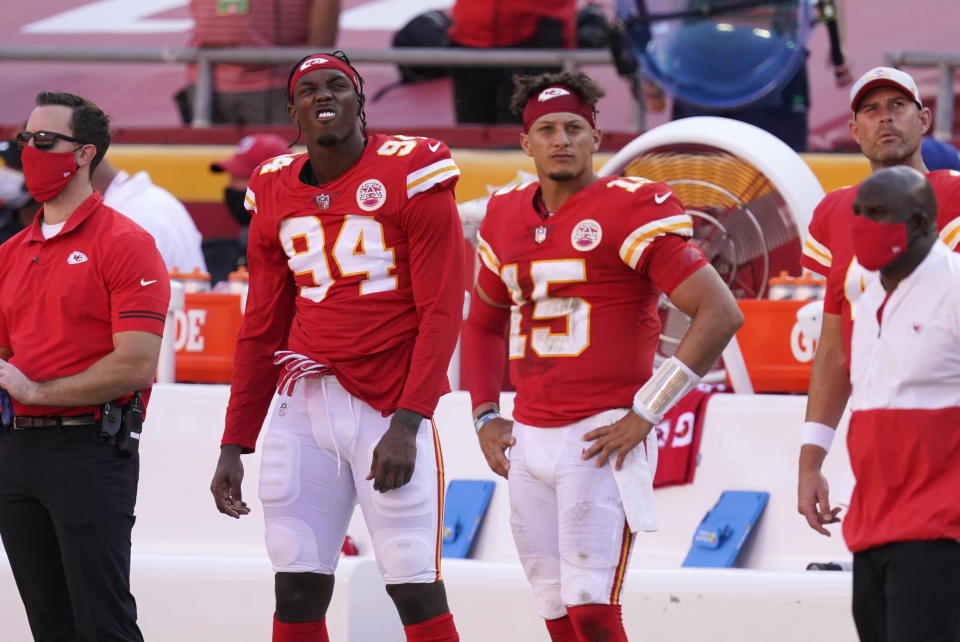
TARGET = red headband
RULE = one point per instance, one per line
(322, 61)
(556, 98)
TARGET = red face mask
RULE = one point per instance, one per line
(46, 173)
(877, 244)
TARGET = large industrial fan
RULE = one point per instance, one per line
(750, 196)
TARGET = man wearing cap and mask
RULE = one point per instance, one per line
(903, 524)
(888, 123)
(83, 301)
(249, 152)
(582, 260)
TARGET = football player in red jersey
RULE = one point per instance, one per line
(575, 264)
(889, 121)
(353, 312)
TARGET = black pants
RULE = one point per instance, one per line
(908, 592)
(66, 513)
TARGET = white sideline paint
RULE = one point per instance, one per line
(114, 16)
(198, 575)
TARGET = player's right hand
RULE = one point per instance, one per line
(813, 501)
(495, 437)
(226, 483)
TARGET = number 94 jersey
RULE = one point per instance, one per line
(354, 273)
(583, 285)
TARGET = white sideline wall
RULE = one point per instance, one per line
(199, 575)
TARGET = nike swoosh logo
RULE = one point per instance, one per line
(660, 198)
(142, 282)
(434, 147)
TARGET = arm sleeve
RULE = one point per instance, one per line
(482, 349)
(139, 285)
(266, 323)
(435, 240)
(834, 295)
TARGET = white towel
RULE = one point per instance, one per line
(635, 482)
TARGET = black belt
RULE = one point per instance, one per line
(32, 423)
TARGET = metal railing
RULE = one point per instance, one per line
(205, 59)
(946, 64)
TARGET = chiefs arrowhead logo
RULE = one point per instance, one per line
(306, 64)
(552, 92)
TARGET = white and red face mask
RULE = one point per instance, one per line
(46, 173)
(878, 244)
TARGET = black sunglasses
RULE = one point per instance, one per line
(44, 140)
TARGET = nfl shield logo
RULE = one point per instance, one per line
(323, 201)
(540, 234)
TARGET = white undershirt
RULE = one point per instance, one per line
(51, 230)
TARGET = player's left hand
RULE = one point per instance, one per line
(620, 436)
(396, 453)
(18, 385)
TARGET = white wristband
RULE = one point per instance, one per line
(817, 434)
(668, 385)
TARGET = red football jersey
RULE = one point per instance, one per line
(583, 285)
(363, 273)
(828, 250)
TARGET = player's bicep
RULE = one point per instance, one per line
(5, 353)
(702, 286)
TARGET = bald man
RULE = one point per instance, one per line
(903, 524)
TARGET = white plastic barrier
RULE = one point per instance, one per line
(198, 575)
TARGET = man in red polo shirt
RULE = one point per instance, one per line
(83, 299)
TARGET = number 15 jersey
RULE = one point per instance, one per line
(363, 273)
(583, 285)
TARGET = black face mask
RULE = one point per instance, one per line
(234, 201)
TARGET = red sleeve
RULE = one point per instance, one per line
(481, 350)
(266, 322)
(834, 295)
(669, 261)
(435, 241)
(948, 216)
(493, 287)
(139, 285)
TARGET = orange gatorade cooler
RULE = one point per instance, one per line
(777, 351)
(206, 335)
